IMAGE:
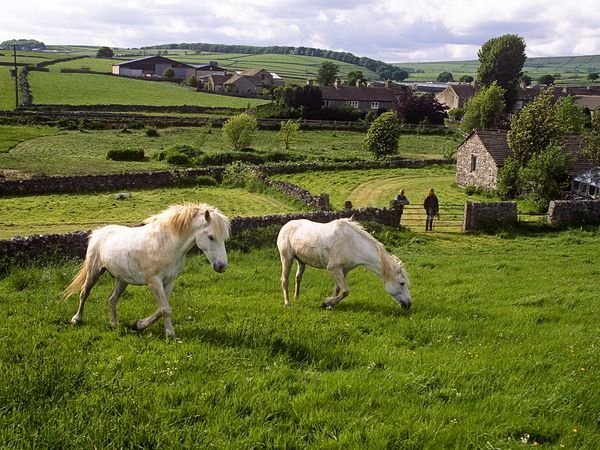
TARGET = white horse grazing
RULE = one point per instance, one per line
(152, 254)
(338, 246)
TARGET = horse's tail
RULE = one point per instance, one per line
(77, 283)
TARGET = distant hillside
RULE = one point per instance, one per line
(570, 69)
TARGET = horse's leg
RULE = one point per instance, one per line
(299, 273)
(341, 290)
(286, 265)
(113, 298)
(92, 276)
(164, 309)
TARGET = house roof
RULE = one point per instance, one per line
(209, 67)
(219, 79)
(252, 72)
(591, 102)
(496, 144)
(150, 61)
(463, 90)
(591, 177)
(353, 93)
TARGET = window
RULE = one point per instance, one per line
(473, 163)
(374, 105)
(353, 103)
(326, 103)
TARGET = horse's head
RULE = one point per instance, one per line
(211, 237)
(397, 285)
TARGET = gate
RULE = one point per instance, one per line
(450, 218)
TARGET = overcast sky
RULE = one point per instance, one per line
(390, 30)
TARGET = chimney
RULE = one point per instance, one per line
(338, 83)
(309, 82)
(358, 83)
(388, 84)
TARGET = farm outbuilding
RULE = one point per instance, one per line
(483, 152)
(587, 183)
(153, 67)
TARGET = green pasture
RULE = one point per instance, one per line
(75, 152)
(92, 64)
(7, 89)
(90, 89)
(11, 135)
(500, 350)
(377, 187)
(49, 214)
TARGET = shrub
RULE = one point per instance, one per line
(239, 131)
(181, 154)
(241, 175)
(125, 154)
(382, 136)
(205, 180)
(152, 132)
(177, 158)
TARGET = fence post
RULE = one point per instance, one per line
(467, 216)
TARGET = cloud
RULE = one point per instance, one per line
(411, 30)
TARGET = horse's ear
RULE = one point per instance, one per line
(207, 216)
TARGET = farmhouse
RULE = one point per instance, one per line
(251, 82)
(456, 94)
(153, 67)
(362, 98)
(481, 155)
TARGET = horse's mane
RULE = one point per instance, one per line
(178, 218)
(387, 263)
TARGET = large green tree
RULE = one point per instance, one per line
(104, 52)
(327, 73)
(501, 59)
(239, 131)
(572, 116)
(535, 128)
(484, 108)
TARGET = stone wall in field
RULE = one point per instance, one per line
(574, 212)
(46, 247)
(485, 216)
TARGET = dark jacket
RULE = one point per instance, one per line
(431, 203)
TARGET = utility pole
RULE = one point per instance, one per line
(16, 77)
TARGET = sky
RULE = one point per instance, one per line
(388, 30)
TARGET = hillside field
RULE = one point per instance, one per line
(500, 350)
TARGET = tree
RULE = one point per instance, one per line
(169, 72)
(501, 59)
(239, 131)
(525, 80)
(327, 73)
(590, 141)
(541, 180)
(572, 116)
(420, 108)
(355, 76)
(546, 79)
(104, 52)
(445, 77)
(593, 76)
(288, 131)
(382, 136)
(535, 128)
(465, 79)
(192, 81)
(484, 108)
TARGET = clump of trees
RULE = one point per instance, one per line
(420, 108)
(484, 109)
(23, 44)
(105, 52)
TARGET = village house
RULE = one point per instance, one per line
(483, 152)
(456, 95)
(251, 82)
(362, 98)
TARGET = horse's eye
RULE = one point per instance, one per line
(210, 236)
(402, 283)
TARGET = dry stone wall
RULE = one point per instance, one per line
(574, 212)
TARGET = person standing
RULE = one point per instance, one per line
(432, 208)
(399, 201)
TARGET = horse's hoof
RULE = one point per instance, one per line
(75, 321)
(134, 326)
(326, 305)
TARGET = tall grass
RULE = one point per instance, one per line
(500, 350)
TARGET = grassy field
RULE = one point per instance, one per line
(500, 350)
(89, 89)
(7, 89)
(47, 214)
(11, 135)
(75, 152)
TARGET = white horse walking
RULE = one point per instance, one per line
(338, 246)
(152, 254)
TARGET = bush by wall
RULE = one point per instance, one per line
(126, 154)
